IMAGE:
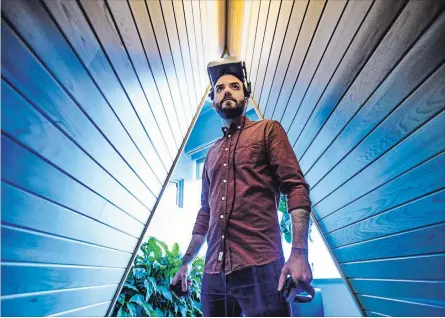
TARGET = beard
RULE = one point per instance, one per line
(229, 108)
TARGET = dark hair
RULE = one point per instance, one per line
(227, 72)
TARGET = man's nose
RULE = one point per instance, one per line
(227, 93)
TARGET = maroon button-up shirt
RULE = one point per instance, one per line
(265, 166)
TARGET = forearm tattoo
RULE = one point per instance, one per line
(300, 229)
(193, 249)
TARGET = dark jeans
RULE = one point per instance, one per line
(251, 291)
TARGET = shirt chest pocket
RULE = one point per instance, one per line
(246, 153)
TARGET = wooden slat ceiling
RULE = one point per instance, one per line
(97, 99)
(359, 88)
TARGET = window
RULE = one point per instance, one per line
(199, 168)
(179, 192)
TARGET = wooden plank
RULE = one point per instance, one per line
(36, 277)
(53, 303)
(430, 239)
(374, 314)
(60, 110)
(20, 245)
(165, 80)
(108, 33)
(196, 14)
(286, 77)
(428, 141)
(176, 9)
(128, 101)
(167, 40)
(96, 310)
(399, 268)
(192, 42)
(69, 79)
(395, 307)
(267, 72)
(391, 195)
(24, 210)
(290, 113)
(426, 292)
(269, 37)
(25, 124)
(348, 26)
(415, 110)
(265, 17)
(422, 212)
(352, 124)
(44, 180)
(254, 13)
(117, 43)
(377, 22)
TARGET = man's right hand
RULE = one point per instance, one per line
(182, 274)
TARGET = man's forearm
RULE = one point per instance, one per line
(193, 249)
(300, 229)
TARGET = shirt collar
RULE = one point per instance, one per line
(226, 131)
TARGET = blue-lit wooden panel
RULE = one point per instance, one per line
(36, 277)
(41, 136)
(96, 310)
(26, 170)
(28, 211)
(96, 104)
(359, 87)
(429, 292)
(71, 86)
(116, 81)
(424, 211)
(21, 245)
(45, 304)
(396, 307)
(395, 38)
(406, 268)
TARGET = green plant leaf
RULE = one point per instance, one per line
(159, 312)
(175, 250)
(121, 299)
(139, 273)
(148, 286)
(122, 312)
(131, 286)
(183, 309)
(163, 245)
(288, 237)
(131, 309)
(138, 299)
(165, 292)
(147, 308)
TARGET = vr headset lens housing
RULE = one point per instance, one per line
(230, 65)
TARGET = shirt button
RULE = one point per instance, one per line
(225, 164)
(222, 236)
(222, 216)
(230, 136)
(239, 127)
(227, 149)
(223, 198)
(224, 181)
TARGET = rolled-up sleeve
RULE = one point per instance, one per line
(286, 169)
(202, 220)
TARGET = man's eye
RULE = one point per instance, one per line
(219, 89)
(235, 86)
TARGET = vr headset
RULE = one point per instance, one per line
(229, 65)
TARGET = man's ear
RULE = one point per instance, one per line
(246, 101)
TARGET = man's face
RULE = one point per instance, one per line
(229, 100)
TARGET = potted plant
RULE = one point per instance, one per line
(146, 290)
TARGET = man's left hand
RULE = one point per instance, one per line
(298, 268)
